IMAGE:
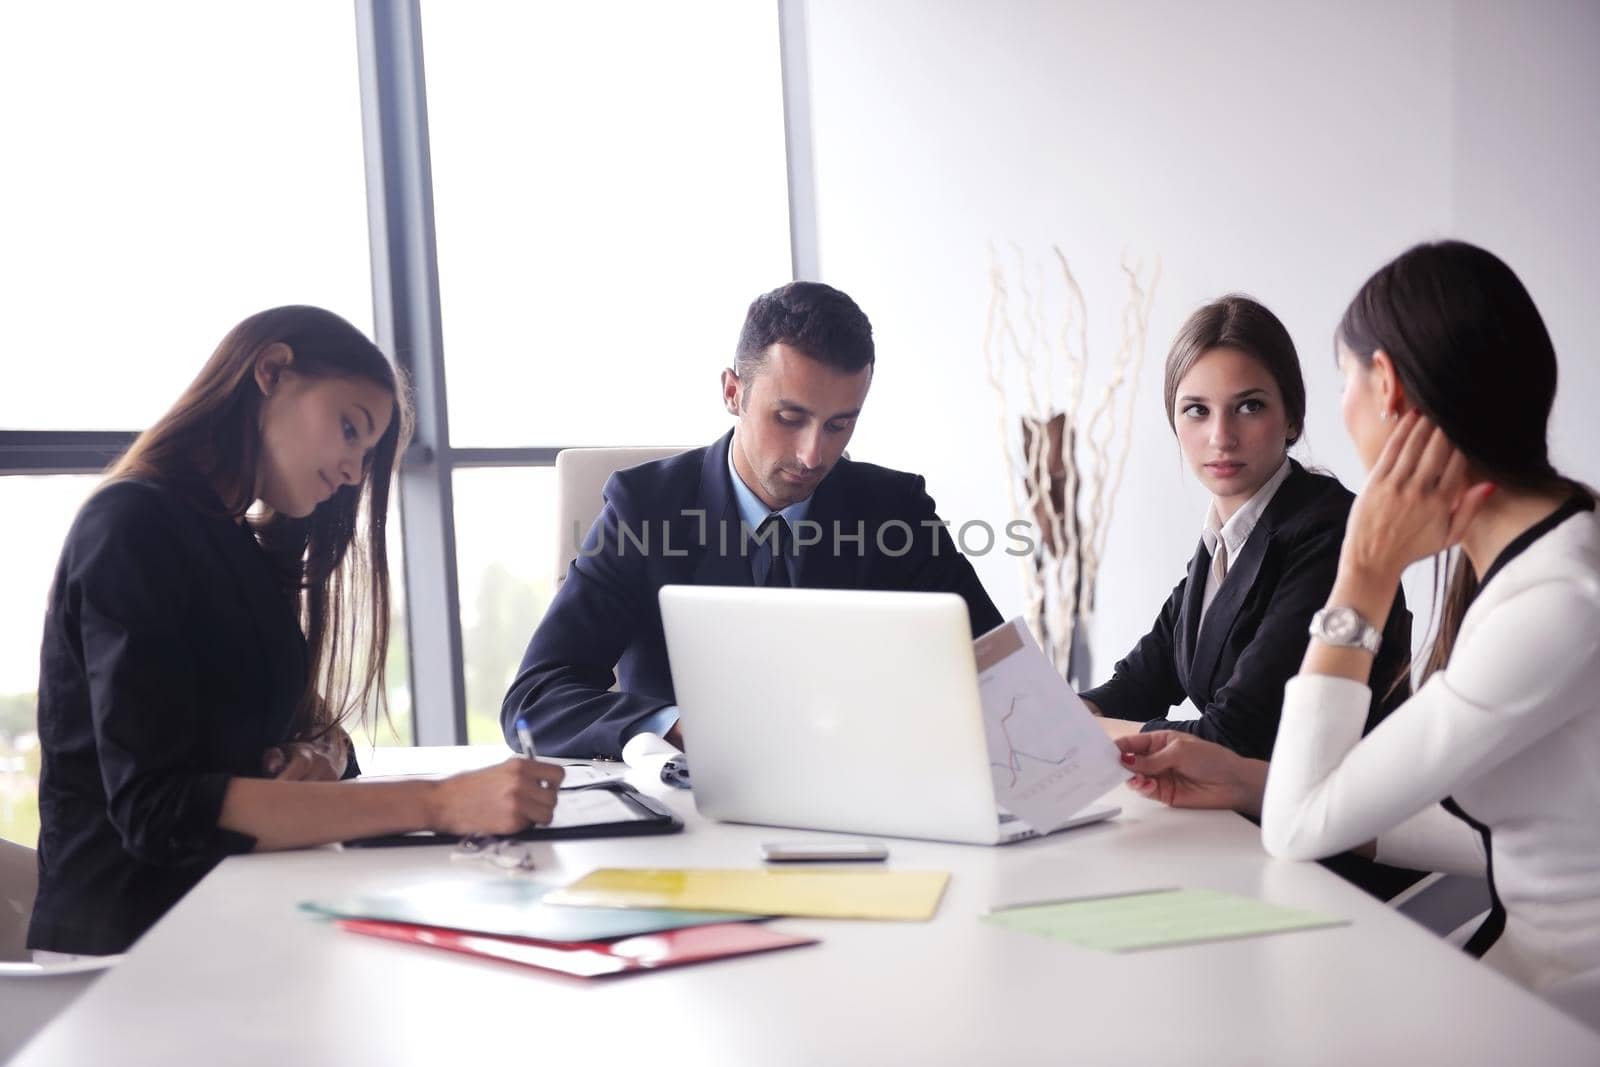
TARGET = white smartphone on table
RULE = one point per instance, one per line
(823, 851)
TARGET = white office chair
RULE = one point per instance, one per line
(581, 474)
(31, 994)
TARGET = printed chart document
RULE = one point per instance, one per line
(1049, 757)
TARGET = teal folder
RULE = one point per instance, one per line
(507, 907)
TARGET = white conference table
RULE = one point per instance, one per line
(236, 974)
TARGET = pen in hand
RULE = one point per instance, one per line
(525, 740)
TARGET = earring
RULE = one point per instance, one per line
(1387, 416)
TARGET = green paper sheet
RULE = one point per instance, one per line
(1134, 921)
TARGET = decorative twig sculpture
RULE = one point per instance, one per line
(1063, 468)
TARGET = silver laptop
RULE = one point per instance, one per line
(836, 710)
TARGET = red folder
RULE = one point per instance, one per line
(592, 959)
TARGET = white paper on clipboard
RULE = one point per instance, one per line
(1047, 754)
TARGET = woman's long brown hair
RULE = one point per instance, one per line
(334, 562)
(1473, 355)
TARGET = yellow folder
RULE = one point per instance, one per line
(826, 893)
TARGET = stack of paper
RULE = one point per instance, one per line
(648, 952)
(507, 919)
(509, 907)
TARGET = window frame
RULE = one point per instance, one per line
(409, 329)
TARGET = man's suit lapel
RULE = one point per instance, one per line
(821, 566)
(721, 562)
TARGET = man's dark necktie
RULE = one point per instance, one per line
(778, 572)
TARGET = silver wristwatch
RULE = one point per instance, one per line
(1345, 628)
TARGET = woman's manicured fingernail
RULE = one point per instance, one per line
(1127, 759)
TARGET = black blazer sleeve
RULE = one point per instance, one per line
(1145, 682)
(563, 687)
(129, 566)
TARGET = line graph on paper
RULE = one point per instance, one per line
(1048, 757)
(1015, 755)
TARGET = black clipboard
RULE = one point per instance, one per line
(650, 816)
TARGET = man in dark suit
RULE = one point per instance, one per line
(774, 502)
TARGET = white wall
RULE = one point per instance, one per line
(1282, 149)
(1527, 181)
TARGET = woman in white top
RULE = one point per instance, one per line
(1494, 765)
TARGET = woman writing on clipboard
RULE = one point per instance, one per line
(219, 609)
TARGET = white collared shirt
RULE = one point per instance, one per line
(1236, 531)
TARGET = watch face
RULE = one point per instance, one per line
(1342, 624)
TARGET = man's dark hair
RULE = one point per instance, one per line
(814, 319)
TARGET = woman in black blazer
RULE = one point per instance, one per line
(1231, 635)
(219, 609)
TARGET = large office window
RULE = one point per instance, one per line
(505, 548)
(609, 191)
(46, 507)
(170, 168)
